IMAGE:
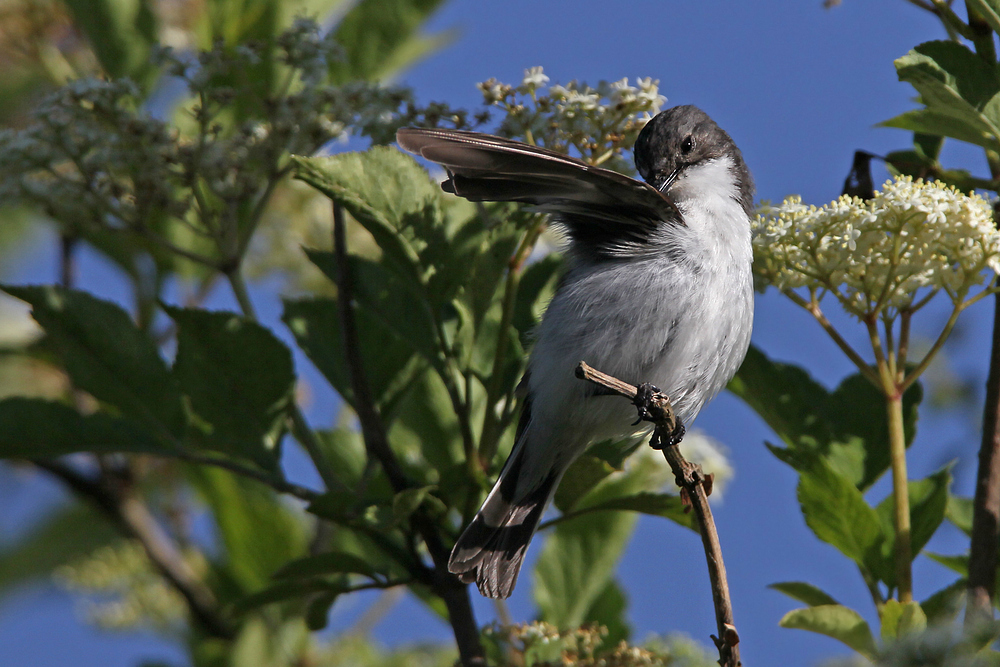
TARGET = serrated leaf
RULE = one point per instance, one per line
(837, 513)
(836, 621)
(395, 302)
(32, 428)
(389, 362)
(940, 92)
(975, 80)
(330, 562)
(106, 355)
(239, 379)
(388, 193)
(847, 428)
(803, 592)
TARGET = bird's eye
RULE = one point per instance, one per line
(687, 146)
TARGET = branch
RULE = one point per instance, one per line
(135, 521)
(655, 407)
(986, 504)
(453, 592)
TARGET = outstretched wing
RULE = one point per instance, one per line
(605, 212)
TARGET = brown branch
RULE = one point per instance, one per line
(453, 592)
(986, 504)
(655, 407)
(134, 520)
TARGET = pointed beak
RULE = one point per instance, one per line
(669, 180)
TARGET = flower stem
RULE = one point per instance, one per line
(901, 498)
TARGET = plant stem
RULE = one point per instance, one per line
(986, 504)
(900, 497)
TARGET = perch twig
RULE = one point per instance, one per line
(654, 406)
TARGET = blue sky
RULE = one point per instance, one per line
(799, 88)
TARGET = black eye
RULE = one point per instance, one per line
(687, 145)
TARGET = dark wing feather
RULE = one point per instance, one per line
(605, 212)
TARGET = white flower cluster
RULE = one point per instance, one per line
(914, 237)
(597, 123)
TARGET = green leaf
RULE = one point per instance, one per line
(975, 79)
(32, 428)
(388, 360)
(121, 32)
(959, 512)
(665, 505)
(959, 564)
(239, 379)
(257, 531)
(59, 537)
(928, 500)
(318, 612)
(929, 121)
(803, 592)
(406, 502)
(389, 194)
(380, 37)
(899, 619)
(942, 607)
(538, 285)
(836, 621)
(106, 355)
(582, 476)
(580, 554)
(941, 91)
(837, 513)
(283, 591)
(847, 428)
(609, 610)
(331, 562)
(989, 10)
(394, 302)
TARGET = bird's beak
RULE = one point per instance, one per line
(671, 177)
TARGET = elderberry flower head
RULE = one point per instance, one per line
(881, 256)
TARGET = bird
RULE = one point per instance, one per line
(658, 289)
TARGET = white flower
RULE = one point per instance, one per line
(534, 78)
(876, 255)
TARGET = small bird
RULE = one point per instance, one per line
(658, 290)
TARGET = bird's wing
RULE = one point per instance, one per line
(604, 211)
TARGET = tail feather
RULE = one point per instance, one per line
(491, 550)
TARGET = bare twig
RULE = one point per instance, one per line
(655, 407)
(135, 520)
(453, 592)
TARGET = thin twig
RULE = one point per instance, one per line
(692, 481)
(453, 592)
(135, 520)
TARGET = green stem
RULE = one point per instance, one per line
(901, 498)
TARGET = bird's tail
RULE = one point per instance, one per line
(491, 549)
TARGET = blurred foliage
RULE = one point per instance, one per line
(166, 141)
